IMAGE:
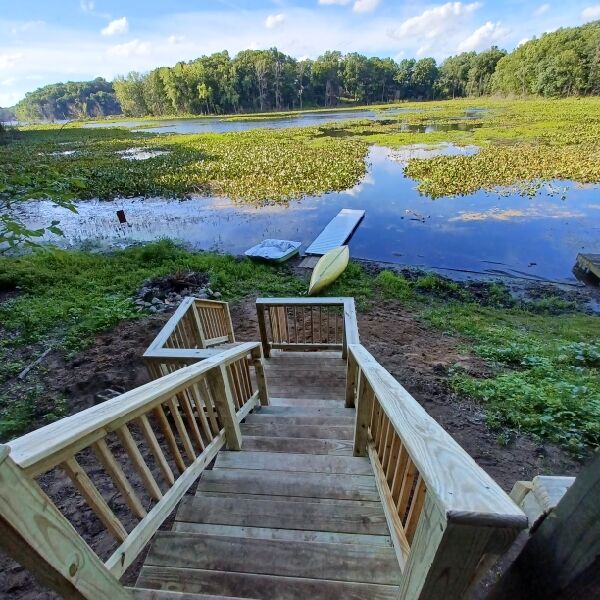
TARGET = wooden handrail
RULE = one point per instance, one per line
(445, 513)
(197, 408)
(285, 324)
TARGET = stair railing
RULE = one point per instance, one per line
(167, 430)
(307, 324)
(445, 514)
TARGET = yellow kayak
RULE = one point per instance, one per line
(330, 266)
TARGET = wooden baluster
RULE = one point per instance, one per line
(408, 479)
(62, 561)
(184, 402)
(221, 391)
(138, 462)
(414, 512)
(232, 374)
(365, 400)
(389, 441)
(210, 406)
(144, 425)
(383, 440)
(181, 430)
(392, 458)
(399, 468)
(115, 472)
(295, 326)
(94, 498)
(199, 327)
(199, 402)
(229, 323)
(165, 427)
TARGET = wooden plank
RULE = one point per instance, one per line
(299, 411)
(336, 232)
(280, 483)
(283, 515)
(277, 461)
(144, 594)
(340, 562)
(297, 445)
(36, 534)
(259, 372)
(304, 301)
(342, 432)
(115, 472)
(272, 533)
(589, 263)
(306, 402)
(337, 501)
(94, 498)
(264, 587)
(464, 491)
(317, 419)
(127, 552)
(365, 399)
(110, 415)
(285, 346)
(146, 428)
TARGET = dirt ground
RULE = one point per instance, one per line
(417, 355)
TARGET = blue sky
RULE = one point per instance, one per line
(44, 42)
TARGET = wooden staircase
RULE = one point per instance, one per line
(293, 515)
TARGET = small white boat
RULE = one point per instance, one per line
(274, 250)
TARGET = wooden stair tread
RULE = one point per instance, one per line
(283, 400)
(283, 515)
(326, 411)
(282, 483)
(305, 419)
(256, 443)
(335, 432)
(276, 533)
(278, 461)
(147, 594)
(338, 562)
(265, 587)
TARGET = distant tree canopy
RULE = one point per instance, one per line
(6, 114)
(71, 100)
(565, 62)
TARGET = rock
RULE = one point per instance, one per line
(217, 294)
(156, 301)
(153, 309)
(209, 291)
(202, 296)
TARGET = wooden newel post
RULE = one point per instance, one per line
(351, 372)
(220, 386)
(262, 327)
(364, 406)
(35, 533)
(261, 379)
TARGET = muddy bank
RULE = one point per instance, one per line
(417, 355)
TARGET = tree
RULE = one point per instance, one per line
(424, 77)
(130, 94)
(326, 77)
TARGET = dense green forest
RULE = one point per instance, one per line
(71, 100)
(562, 63)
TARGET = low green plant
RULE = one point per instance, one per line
(394, 286)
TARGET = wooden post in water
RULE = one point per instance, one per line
(561, 559)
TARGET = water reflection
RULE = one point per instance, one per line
(482, 232)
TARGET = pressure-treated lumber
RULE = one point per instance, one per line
(34, 532)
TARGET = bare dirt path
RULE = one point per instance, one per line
(417, 355)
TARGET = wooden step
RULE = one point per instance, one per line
(341, 432)
(299, 411)
(278, 461)
(340, 501)
(298, 445)
(281, 514)
(147, 594)
(282, 483)
(273, 533)
(338, 562)
(306, 419)
(306, 392)
(306, 402)
(265, 587)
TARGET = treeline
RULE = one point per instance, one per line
(260, 80)
(6, 115)
(563, 63)
(71, 100)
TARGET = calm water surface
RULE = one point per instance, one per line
(482, 232)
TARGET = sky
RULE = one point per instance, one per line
(48, 41)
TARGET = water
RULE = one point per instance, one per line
(307, 119)
(482, 232)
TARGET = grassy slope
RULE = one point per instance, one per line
(545, 367)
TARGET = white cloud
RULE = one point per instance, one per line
(435, 21)
(116, 27)
(523, 41)
(591, 12)
(176, 39)
(132, 48)
(273, 21)
(486, 35)
(542, 9)
(87, 5)
(338, 2)
(7, 61)
(363, 6)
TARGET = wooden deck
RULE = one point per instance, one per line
(589, 263)
(294, 514)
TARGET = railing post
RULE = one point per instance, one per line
(261, 379)
(262, 327)
(344, 337)
(218, 380)
(351, 372)
(36, 534)
(364, 406)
